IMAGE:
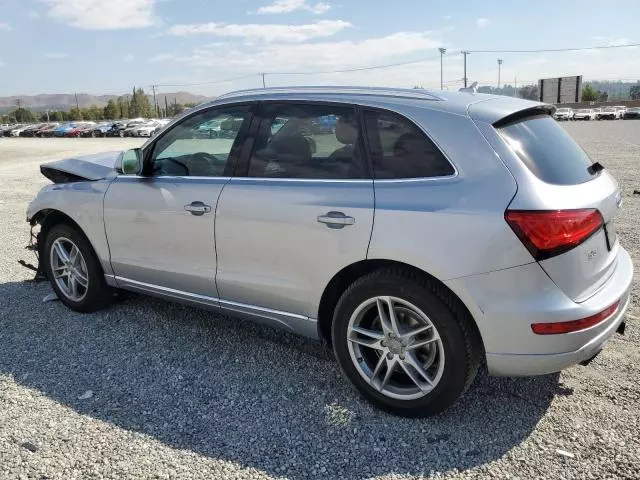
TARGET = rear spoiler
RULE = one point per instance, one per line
(520, 115)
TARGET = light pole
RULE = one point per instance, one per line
(465, 53)
(499, 65)
(442, 52)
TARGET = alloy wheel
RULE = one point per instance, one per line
(395, 347)
(69, 269)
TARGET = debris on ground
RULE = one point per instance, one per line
(86, 395)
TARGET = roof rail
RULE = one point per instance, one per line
(328, 90)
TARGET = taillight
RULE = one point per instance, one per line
(574, 325)
(547, 233)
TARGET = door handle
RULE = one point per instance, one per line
(336, 219)
(197, 208)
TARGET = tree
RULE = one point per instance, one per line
(634, 92)
(58, 116)
(123, 106)
(603, 96)
(75, 114)
(22, 114)
(529, 92)
(94, 112)
(589, 94)
(111, 111)
(140, 104)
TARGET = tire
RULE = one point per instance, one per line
(96, 295)
(455, 355)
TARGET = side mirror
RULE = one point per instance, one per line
(131, 162)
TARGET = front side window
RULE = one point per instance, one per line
(400, 150)
(199, 145)
(307, 142)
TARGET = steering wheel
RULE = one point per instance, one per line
(172, 160)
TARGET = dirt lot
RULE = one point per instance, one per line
(150, 389)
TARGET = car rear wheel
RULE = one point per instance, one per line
(404, 343)
(74, 271)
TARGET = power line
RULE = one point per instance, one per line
(575, 49)
(212, 82)
(358, 69)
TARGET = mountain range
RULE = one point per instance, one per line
(65, 101)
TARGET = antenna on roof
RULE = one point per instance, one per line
(472, 89)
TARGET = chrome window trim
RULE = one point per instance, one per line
(305, 180)
(180, 177)
(419, 179)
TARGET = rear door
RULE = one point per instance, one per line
(301, 211)
(559, 175)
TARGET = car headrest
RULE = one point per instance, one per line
(410, 144)
(293, 148)
(346, 131)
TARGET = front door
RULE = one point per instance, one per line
(302, 211)
(160, 224)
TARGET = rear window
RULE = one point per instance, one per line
(548, 150)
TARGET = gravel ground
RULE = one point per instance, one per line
(151, 389)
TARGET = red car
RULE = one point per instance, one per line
(77, 132)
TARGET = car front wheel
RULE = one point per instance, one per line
(74, 271)
(404, 343)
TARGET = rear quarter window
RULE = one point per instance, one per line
(547, 150)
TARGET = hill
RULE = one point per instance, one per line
(64, 101)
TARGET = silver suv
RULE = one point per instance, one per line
(420, 234)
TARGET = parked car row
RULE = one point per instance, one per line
(603, 113)
(138, 127)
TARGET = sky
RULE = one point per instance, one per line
(214, 46)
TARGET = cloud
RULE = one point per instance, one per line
(2, 64)
(128, 58)
(102, 14)
(273, 57)
(5, 27)
(482, 22)
(33, 14)
(447, 17)
(266, 32)
(287, 6)
(54, 55)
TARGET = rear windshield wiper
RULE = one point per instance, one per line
(595, 168)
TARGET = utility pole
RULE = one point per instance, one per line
(166, 107)
(77, 105)
(155, 104)
(442, 52)
(264, 85)
(499, 65)
(515, 86)
(465, 53)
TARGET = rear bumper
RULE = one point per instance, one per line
(526, 364)
(505, 303)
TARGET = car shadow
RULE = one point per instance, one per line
(235, 391)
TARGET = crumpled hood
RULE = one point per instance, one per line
(81, 168)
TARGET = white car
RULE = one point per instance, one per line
(621, 110)
(608, 113)
(17, 131)
(146, 129)
(563, 114)
(584, 114)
